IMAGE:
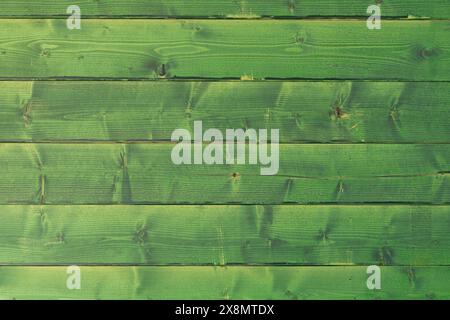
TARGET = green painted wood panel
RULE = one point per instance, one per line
(223, 235)
(381, 112)
(225, 283)
(364, 163)
(227, 8)
(144, 173)
(153, 49)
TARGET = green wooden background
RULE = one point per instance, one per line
(86, 177)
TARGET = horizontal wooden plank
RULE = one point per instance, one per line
(145, 173)
(261, 283)
(154, 49)
(412, 112)
(227, 8)
(223, 235)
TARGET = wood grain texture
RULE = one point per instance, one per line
(144, 173)
(380, 112)
(86, 176)
(260, 283)
(154, 49)
(227, 8)
(224, 235)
